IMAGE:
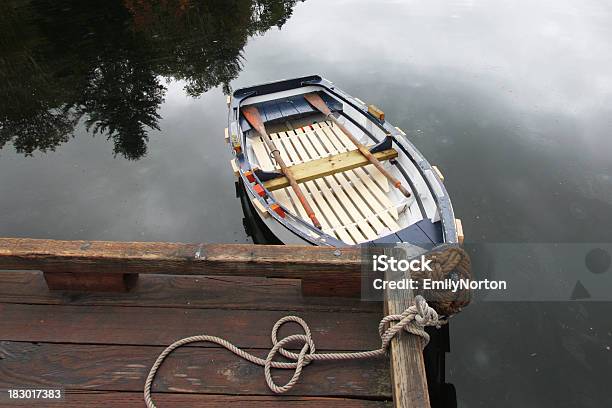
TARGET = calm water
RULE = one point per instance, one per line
(112, 117)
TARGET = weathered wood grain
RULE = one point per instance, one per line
(408, 375)
(184, 292)
(313, 286)
(86, 342)
(286, 261)
(114, 399)
(91, 281)
(329, 266)
(187, 370)
(162, 326)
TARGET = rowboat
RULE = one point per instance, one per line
(321, 167)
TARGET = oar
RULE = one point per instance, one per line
(254, 118)
(318, 102)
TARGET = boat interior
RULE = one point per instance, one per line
(352, 199)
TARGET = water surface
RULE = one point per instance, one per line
(112, 117)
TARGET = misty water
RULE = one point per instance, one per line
(112, 118)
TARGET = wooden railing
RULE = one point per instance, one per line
(109, 265)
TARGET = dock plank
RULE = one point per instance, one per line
(162, 326)
(187, 370)
(182, 291)
(115, 399)
(284, 261)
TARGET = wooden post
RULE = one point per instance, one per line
(409, 380)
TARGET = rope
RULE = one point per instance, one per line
(412, 320)
(447, 262)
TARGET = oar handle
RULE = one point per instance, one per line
(402, 189)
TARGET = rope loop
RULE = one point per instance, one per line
(301, 360)
(307, 336)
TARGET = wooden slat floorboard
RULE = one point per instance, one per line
(184, 292)
(188, 370)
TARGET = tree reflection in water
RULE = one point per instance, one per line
(102, 62)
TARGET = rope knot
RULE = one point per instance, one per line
(426, 315)
(413, 320)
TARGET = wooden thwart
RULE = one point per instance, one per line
(327, 166)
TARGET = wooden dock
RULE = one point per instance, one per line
(98, 343)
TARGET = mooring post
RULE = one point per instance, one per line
(408, 377)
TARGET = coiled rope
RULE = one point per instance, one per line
(448, 261)
(413, 320)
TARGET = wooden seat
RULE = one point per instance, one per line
(351, 205)
(327, 166)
